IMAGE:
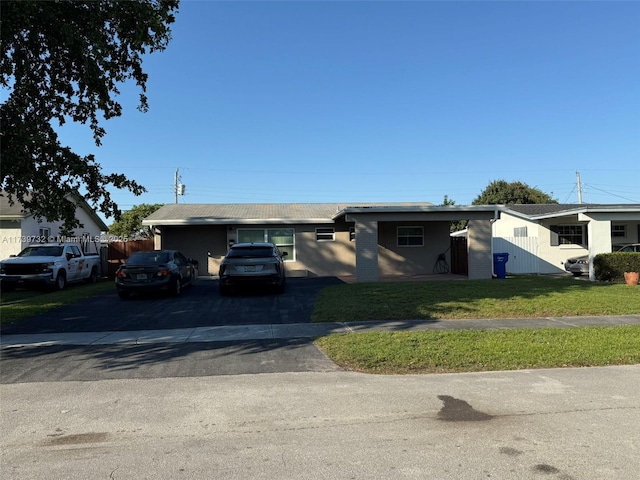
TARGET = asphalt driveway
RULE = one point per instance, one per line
(198, 306)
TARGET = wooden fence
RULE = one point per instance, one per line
(118, 252)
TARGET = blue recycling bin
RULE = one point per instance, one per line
(500, 264)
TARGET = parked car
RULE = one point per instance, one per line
(580, 265)
(155, 271)
(252, 264)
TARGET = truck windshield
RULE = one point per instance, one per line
(41, 252)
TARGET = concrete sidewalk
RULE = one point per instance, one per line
(240, 333)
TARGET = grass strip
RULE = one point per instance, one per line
(483, 350)
(26, 303)
(517, 297)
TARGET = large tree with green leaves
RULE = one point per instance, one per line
(130, 223)
(501, 192)
(63, 61)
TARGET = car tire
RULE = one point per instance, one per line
(224, 291)
(123, 295)
(61, 280)
(176, 288)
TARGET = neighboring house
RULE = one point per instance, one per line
(19, 228)
(327, 239)
(540, 238)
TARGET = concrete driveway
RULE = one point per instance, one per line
(198, 306)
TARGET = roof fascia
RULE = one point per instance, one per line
(574, 211)
(470, 210)
(234, 221)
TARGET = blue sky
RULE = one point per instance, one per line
(356, 101)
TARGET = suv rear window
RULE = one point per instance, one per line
(250, 252)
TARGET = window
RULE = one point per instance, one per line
(619, 231)
(520, 232)
(44, 234)
(325, 234)
(352, 234)
(281, 237)
(410, 236)
(568, 235)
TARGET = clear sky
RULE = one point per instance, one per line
(357, 101)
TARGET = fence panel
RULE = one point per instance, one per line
(118, 252)
(523, 253)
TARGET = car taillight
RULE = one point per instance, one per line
(121, 274)
(163, 273)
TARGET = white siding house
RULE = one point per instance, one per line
(19, 228)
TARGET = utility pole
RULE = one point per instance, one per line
(579, 187)
(176, 178)
(178, 186)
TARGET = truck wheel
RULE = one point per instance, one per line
(61, 280)
(93, 277)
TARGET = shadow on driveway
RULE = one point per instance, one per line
(198, 306)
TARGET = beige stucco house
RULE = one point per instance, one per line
(18, 228)
(329, 239)
(540, 238)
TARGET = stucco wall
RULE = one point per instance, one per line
(412, 260)
(196, 242)
(323, 258)
(479, 246)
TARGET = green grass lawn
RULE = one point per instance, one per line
(26, 303)
(483, 350)
(479, 350)
(524, 296)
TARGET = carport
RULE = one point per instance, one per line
(369, 220)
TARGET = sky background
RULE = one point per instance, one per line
(281, 102)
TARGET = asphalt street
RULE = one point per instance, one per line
(561, 424)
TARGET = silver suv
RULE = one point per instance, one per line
(252, 264)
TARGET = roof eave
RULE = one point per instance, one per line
(234, 221)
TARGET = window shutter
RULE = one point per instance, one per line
(555, 241)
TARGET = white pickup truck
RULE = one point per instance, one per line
(49, 264)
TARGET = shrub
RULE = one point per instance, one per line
(610, 267)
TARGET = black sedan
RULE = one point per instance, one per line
(155, 271)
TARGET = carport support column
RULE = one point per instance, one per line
(480, 256)
(599, 238)
(367, 269)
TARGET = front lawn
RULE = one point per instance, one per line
(483, 350)
(479, 350)
(523, 296)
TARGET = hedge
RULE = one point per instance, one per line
(610, 267)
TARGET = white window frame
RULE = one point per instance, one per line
(287, 258)
(619, 231)
(520, 232)
(409, 236)
(325, 234)
(564, 237)
(44, 233)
